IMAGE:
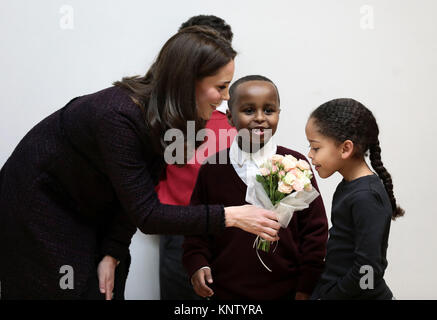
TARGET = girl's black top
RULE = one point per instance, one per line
(358, 241)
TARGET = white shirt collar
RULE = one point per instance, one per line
(223, 107)
(238, 156)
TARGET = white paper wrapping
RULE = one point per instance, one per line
(296, 201)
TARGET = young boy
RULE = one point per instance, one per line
(227, 265)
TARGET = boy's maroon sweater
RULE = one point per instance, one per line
(237, 273)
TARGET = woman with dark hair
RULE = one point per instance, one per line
(81, 181)
(179, 183)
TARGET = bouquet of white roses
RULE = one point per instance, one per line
(283, 186)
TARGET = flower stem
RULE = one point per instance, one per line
(264, 245)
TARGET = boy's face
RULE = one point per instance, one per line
(256, 108)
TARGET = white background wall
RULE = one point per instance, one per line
(314, 50)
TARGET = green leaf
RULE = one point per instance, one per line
(278, 195)
(260, 178)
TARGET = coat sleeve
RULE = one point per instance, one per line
(124, 160)
(197, 253)
(372, 225)
(313, 236)
(117, 237)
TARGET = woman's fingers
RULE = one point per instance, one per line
(102, 283)
(106, 275)
(253, 219)
(269, 225)
(109, 288)
(268, 237)
(270, 233)
(272, 224)
(106, 285)
(272, 217)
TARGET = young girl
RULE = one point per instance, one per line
(226, 266)
(340, 133)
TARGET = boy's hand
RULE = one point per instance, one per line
(198, 281)
(302, 296)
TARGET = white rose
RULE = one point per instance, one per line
(284, 188)
(289, 156)
(308, 174)
(289, 178)
(289, 163)
(306, 181)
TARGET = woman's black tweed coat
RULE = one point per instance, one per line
(75, 189)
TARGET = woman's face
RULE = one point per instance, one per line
(211, 91)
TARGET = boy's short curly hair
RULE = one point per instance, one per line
(234, 86)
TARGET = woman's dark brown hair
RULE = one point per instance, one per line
(167, 98)
(347, 119)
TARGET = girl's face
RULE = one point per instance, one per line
(325, 153)
(256, 108)
(212, 90)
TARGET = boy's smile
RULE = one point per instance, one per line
(256, 108)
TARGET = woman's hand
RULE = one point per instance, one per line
(259, 221)
(198, 280)
(106, 272)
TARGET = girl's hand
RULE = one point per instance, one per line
(259, 221)
(106, 272)
(198, 281)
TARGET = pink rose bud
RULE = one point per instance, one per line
(294, 172)
(298, 185)
(281, 173)
(264, 171)
(277, 159)
(274, 169)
